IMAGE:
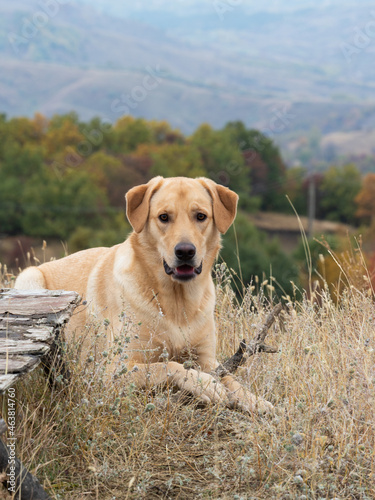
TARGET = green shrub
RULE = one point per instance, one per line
(250, 254)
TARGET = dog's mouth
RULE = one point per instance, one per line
(183, 272)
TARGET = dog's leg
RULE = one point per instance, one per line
(202, 385)
(243, 398)
(30, 279)
(237, 394)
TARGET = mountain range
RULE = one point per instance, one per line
(287, 71)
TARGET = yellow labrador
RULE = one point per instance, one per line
(162, 275)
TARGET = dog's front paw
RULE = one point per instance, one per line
(249, 403)
(203, 386)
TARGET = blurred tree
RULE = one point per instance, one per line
(170, 160)
(162, 132)
(57, 121)
(3, 134)
(54, 207)
(340, 187)
(294, 182)
(274, 186)
(62, 136)
(88, 237)
(365, 200)
(24, 131)
(117, 174)
(40, 124)
(263, 163)
(141, 161)
(248, 252)
(108, 172)
(10, 205)
(97, 134)
(224, 162)
(128, 133)
(18, 166)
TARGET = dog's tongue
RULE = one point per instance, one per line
(185, 270)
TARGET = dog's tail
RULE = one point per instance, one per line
(30, 279)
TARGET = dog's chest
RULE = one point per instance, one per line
(179, 328)
(183, 342)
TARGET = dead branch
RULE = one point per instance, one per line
(246, 350)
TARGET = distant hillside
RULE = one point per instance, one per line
(282, 72)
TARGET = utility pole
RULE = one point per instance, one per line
(312, 206)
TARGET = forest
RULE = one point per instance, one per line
(65, 179)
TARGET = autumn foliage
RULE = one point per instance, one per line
(60, 172)
(64, 178)
(365, 199)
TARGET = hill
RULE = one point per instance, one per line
(284, 72)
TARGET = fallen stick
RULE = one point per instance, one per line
(246, 350)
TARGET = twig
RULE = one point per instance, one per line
(246, 350)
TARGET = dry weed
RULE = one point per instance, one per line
(85, 439)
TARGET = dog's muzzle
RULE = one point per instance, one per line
(183, 272)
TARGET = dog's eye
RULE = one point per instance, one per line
(163, 217)
(201, 217)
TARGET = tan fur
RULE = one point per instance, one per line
(176, 316)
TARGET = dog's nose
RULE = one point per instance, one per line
(185, 251)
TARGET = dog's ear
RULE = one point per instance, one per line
(224, 204)
(138, 203)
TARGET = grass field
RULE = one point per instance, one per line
(86, 440)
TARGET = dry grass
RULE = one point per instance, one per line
(86, 440)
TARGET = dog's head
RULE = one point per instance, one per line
(182, 219)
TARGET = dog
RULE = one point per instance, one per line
(162, 275)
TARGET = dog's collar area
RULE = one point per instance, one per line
(183, 272)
